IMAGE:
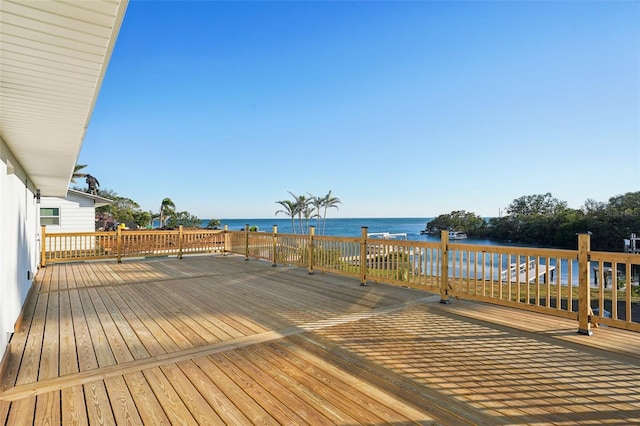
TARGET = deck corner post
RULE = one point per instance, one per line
(226, 240)
(274, 257)
(119, 244)
(246, 242)
(312, 231)
(180, 237)
(584, 292)
(444, 268)
(43, 246)
(363, 255)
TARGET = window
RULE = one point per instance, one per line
(49, 216)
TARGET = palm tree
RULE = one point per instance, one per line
(76, 172)
(316, 202)
(308, 213)
(327, 202)
(290, 210)
(302, 209)
(167, 207)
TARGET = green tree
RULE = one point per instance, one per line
(77, 173)
(183, 218)
(624, 205)
(546, 221)
(308, 212)
(306, 208)
(213, 224)
(121, 209)
(457, 220)
(167, 209)
(327, 202)
(593, 207)
(538, 204)
(315, 204)
(141, 218)
(290, 209)
(303, 210)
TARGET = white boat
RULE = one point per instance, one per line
(456, 235)
(387, 236)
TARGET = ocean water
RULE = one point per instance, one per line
(338, 227)
(350, 227)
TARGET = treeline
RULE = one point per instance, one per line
(542, 220)
(125, 210)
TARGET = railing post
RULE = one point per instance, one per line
(226, 240)
(274, 253)
(312, 231)
(119, 244)
(444, 267)
(584, 291)
(363, 256)
(43, 246)
(246, 242)
(180, 236)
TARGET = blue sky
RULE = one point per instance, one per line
(401, 109)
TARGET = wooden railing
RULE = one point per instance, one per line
(65, 247)
(590, 287)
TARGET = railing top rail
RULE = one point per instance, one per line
(66, 234)
(532, 251)
(615, 257)
(338, 239)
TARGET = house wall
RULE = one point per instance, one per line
(19, 245)
(77, 213)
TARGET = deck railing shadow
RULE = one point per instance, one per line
(473, 363)
(590, 287)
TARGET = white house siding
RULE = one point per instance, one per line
(77, 214)
(19, 242)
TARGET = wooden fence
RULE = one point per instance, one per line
(591, 287)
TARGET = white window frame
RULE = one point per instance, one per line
(51, 216)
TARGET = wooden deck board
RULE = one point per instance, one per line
(218, 340)
(12, 358)
(148, 331)
(33, 348)
(122, 403)
(73, 406)
(306, 412)
(269, 362)
(98, 405)
(348, 390)
(4, 411)
(198, 406)
(149, 409)
(225, 409)
(250, 408)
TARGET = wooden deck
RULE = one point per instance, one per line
(218, 340)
